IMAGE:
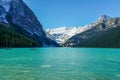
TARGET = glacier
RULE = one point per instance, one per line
(62, 34)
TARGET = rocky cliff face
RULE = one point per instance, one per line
(17, 13)
(4, 7)
(62, 34)
(102, 24)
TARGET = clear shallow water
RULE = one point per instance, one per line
(59, 64)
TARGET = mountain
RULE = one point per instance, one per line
(62, 34)
(96, 34)
(9, 37)
(109, 38)
(17, 14)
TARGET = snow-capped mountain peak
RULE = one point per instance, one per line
(62, 34)
(17, 13)
(103, 18)
(57, 30)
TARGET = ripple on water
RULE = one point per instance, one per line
(46, 66)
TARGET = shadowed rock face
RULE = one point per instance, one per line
(102, 25)
(17, 13)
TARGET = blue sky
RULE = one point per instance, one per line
(58, 13)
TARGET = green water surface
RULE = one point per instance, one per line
(59, 64)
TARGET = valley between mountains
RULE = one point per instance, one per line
(19, 27)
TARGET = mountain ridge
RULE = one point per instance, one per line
(19, 15)
(88, 35)
(62, 34)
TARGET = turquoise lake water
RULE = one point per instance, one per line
(59, 64)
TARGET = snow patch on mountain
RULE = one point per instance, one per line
(4, 8)
(18, 14)
(62, 34)
(5, 4)
(101, 19)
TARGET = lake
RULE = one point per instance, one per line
(59, 64)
